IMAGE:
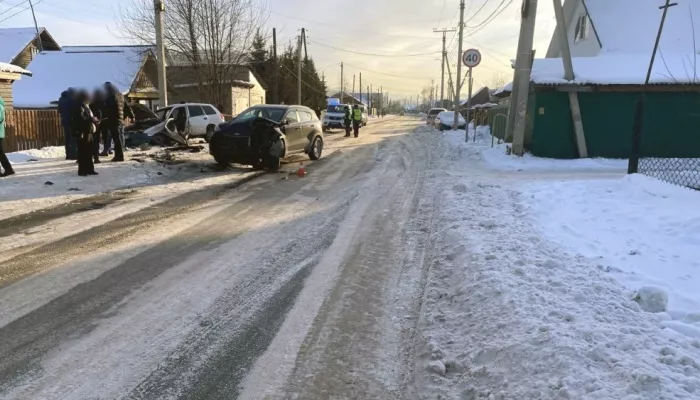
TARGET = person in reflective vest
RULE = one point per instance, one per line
(347, 121)
(356, 119)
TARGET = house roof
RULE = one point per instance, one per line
(14, 40)
(632, 25)
(475, 95)
(186, 76)
(504, 90)
(79, 67)
(13, 69)
(618, 69)
(347, 95)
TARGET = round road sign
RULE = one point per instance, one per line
(471, 58)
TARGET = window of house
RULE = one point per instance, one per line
(582, 27)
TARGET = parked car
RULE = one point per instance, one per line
(430, 119)
(446, 119)
(334, 117)
(262, 135)
(365, 115)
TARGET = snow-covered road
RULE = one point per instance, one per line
(274, 280)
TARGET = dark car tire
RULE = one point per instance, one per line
(316, 148)
(272, 163)
(221, 160)
(209, 134)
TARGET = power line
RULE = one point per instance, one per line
(384, 73)
(15, 6)
(372, 54)
(304, 82)
(18, 12)
(495, 14)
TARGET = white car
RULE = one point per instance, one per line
(445, 120)
(430, 119)
(202, 119)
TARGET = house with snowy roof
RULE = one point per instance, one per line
(10, 73)
(19, 46)
(611, 44)
(132, 69)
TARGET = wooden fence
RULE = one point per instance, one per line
(32, 129)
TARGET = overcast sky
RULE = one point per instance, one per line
(398, 34)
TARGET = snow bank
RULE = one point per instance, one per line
(498, 158)
(644, 231)
(37, 154)
(520, 303)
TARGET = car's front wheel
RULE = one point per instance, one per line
(221, 160)
(316, 148)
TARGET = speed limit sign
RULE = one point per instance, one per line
(471, 58)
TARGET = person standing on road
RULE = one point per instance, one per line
(356, 119)
(65, 105)
(114, 119)
(3, 158)
(97, 107)
(347, 120)
(83, 127)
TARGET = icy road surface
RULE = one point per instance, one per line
(269, 286)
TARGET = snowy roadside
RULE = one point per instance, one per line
(533, 297)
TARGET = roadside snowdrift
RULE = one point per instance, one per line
(514, 311)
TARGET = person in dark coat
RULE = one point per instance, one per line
(114, 119)
(347, 120)
(97, 108)
(181, 120)
(83, 128)
(65, 105)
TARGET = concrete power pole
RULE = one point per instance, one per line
(342, 84)
(159, 8)
(459, 63)
(444, 60)
(353, 85)
(569, 76)
(523, 66)
(299, 67)
(360, 87)
(275, 70)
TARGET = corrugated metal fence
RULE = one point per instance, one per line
(32, 129)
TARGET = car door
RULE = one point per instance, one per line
(198, 120)
(293, 130)
(307, 126)
(181, 109)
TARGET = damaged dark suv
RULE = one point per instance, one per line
(262, 135)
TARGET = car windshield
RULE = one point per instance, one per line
(162, 113)
(274, 114)
(336, 109)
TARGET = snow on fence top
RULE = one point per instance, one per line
(620, 69)
(13, 69)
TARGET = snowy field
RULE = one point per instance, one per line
(560, 280)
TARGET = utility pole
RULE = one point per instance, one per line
(523, 66)
(342, 84)
(459, 63)
(159, 8)
(369, 101)
(361, 88)
(569, 76)
(41, 45)
(275, 69)
(444, 58)
(299, 67)
(381, 94)
(353, 85)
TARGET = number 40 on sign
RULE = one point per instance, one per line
(471, 58)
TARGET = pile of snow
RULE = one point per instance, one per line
(13, 69)
(522, 301)
(448, 118)
(644, 231)
(498, 157)
(37, 154)
(423, 116)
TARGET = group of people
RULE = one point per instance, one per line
(4, 162)
(88, 119)
(353, 118)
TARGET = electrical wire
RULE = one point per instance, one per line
(15, 6)
(19, 12)
(373, 54)
(384, 73)
(304, 82)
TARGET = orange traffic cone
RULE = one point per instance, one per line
(301, 172)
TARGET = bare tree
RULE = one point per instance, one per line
(498, 80)
(207, 39)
